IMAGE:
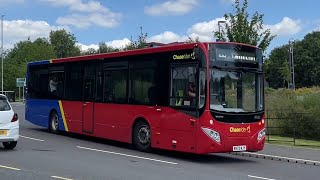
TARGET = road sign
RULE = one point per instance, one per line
(21, 82)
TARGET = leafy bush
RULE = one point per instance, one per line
(294, 112)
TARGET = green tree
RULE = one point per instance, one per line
(11, 72)
(64, 43)
(138, 44)
(104, 48)
(192, 40)
(90, 51)
(306, 57)
(277, 68)
(238, 27)
(26, 51)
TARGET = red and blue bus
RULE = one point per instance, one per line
(190, 97)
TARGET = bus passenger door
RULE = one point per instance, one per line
(178, 122)
(88, 97)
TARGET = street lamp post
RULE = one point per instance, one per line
(2, 53)
(291, 64)
(219, 26)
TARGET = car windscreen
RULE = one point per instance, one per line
(4, 105)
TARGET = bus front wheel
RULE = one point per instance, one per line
(54, 123)
(142, 136)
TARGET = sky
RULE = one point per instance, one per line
(165, 21)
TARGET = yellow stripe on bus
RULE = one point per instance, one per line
(63, 117)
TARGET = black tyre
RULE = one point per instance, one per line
(142, 136)
(10, 145)
(54, 123)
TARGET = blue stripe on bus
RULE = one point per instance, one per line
(38, 111)
(39, 62)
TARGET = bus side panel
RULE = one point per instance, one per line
(115, 121)
(73, 115)
(105, 116)
(38, 111)
(153, 117)
(145, 112)
(177, 131)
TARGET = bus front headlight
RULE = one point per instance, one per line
(212, 134)
(261, 134)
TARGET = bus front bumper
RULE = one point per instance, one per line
(206, 144)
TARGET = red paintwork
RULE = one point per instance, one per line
(126, 53)
(88, 118)
(73, 115)
(174, 126)
(228, 139)
(115, 121)
(170, 47)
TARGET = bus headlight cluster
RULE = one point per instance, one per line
(261, 134)
(212, 134)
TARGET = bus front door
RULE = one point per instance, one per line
(88, 104)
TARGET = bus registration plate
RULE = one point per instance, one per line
(3, 132)
(240, 148)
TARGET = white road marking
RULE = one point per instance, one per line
(282, 157)
(31, 138)
(128, 155)
(12, 168)
(257, 177)
(58, 177)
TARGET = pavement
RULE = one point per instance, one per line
(293, 154)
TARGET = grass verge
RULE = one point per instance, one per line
(288, 141)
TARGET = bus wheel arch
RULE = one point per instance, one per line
(53, 121)
(141, 135)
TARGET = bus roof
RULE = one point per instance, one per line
(152, 47)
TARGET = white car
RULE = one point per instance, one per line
(9, 124)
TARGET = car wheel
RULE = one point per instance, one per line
(10, 145)
(142, 136)
(54, 123)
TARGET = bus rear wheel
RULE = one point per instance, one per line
(54, 123)
(142, 136)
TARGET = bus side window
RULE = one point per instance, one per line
(143, 87)
(183, 86)
(56, 81)
(108, 95)
(179, 99)
(53, 83)
(38, 82)
(153, 94)
(115, 86)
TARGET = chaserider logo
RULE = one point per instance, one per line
(240, 129)
(184, 56)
